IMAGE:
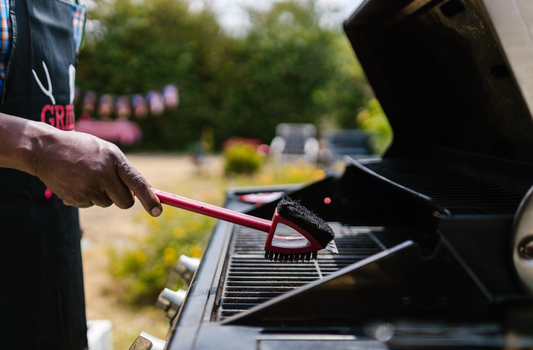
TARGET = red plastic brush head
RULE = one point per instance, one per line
(315, 234)
(298, 214)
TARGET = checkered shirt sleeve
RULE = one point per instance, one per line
(5, 39)
(79, 14)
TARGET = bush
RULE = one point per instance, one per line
(374, 120)
(289, 173)
(242, 158)
(143, 267)
(275, 173)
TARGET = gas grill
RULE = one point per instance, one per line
(251, 280)
(435, 238)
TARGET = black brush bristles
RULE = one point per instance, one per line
(295, 212)
(285, 257)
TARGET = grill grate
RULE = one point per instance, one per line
(448, 189)
(251, 280)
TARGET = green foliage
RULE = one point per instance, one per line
(146, 46)
(242, 158)
(143, 268)
(288, 173)
(287, 69)
(347, 91)
(276, 69)
(373, 119)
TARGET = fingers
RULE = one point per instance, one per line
(84, 171)
(77, 204)
(101, 200)
(120, 194)
(104, 202)
(140, 187)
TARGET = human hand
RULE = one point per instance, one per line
(84, 170)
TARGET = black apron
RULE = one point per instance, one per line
(41, 284)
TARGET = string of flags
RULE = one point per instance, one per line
(105, 107)
(111, 117)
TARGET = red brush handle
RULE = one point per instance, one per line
(213, 211)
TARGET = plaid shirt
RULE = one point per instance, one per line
(5, 39)
(78, 13)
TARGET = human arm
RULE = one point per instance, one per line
(81, 169)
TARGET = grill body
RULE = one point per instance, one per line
(414, 263)
(424, 233)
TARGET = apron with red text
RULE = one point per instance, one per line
(41, 284)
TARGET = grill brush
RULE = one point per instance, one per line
(315, 233)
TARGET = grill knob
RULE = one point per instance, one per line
(523, 242)
(147, 341)
(186, 267)
(170, 301)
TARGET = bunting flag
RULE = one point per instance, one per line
(105, 107)
(140, 110)
(89, 101)
(122, 108)
(155, 102)
(97, 106)
(171, 96)
(108, 117)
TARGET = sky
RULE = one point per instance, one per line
(234, 19)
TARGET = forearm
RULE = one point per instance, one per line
(79, 168)
(20, 140)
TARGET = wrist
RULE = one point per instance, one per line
(22, 142)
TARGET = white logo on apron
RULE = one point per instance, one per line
(45, 91)
(59, 116)
(72, 82)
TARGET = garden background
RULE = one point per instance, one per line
(286, 67)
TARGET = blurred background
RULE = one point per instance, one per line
(241, 67)
(203, 95)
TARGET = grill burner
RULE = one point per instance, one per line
(252, 280)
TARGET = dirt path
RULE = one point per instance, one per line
(110, 227)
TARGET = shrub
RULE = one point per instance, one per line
(242, 158)
(289, 173)
(143, 267)
(374, 120)
(275, 173)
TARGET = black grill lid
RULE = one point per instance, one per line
(451, 75)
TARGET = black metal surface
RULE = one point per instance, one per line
(234, 278)
(394, 284)
(446, 189)
(251, 280)
(434, 77)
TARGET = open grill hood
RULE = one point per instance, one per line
(452, 74)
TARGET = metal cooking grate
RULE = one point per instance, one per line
(251, 280)
(448, 189)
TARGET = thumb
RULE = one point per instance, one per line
(140, 188)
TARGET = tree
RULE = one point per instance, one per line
(287, 69)
(285, 58)
(146, 46)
